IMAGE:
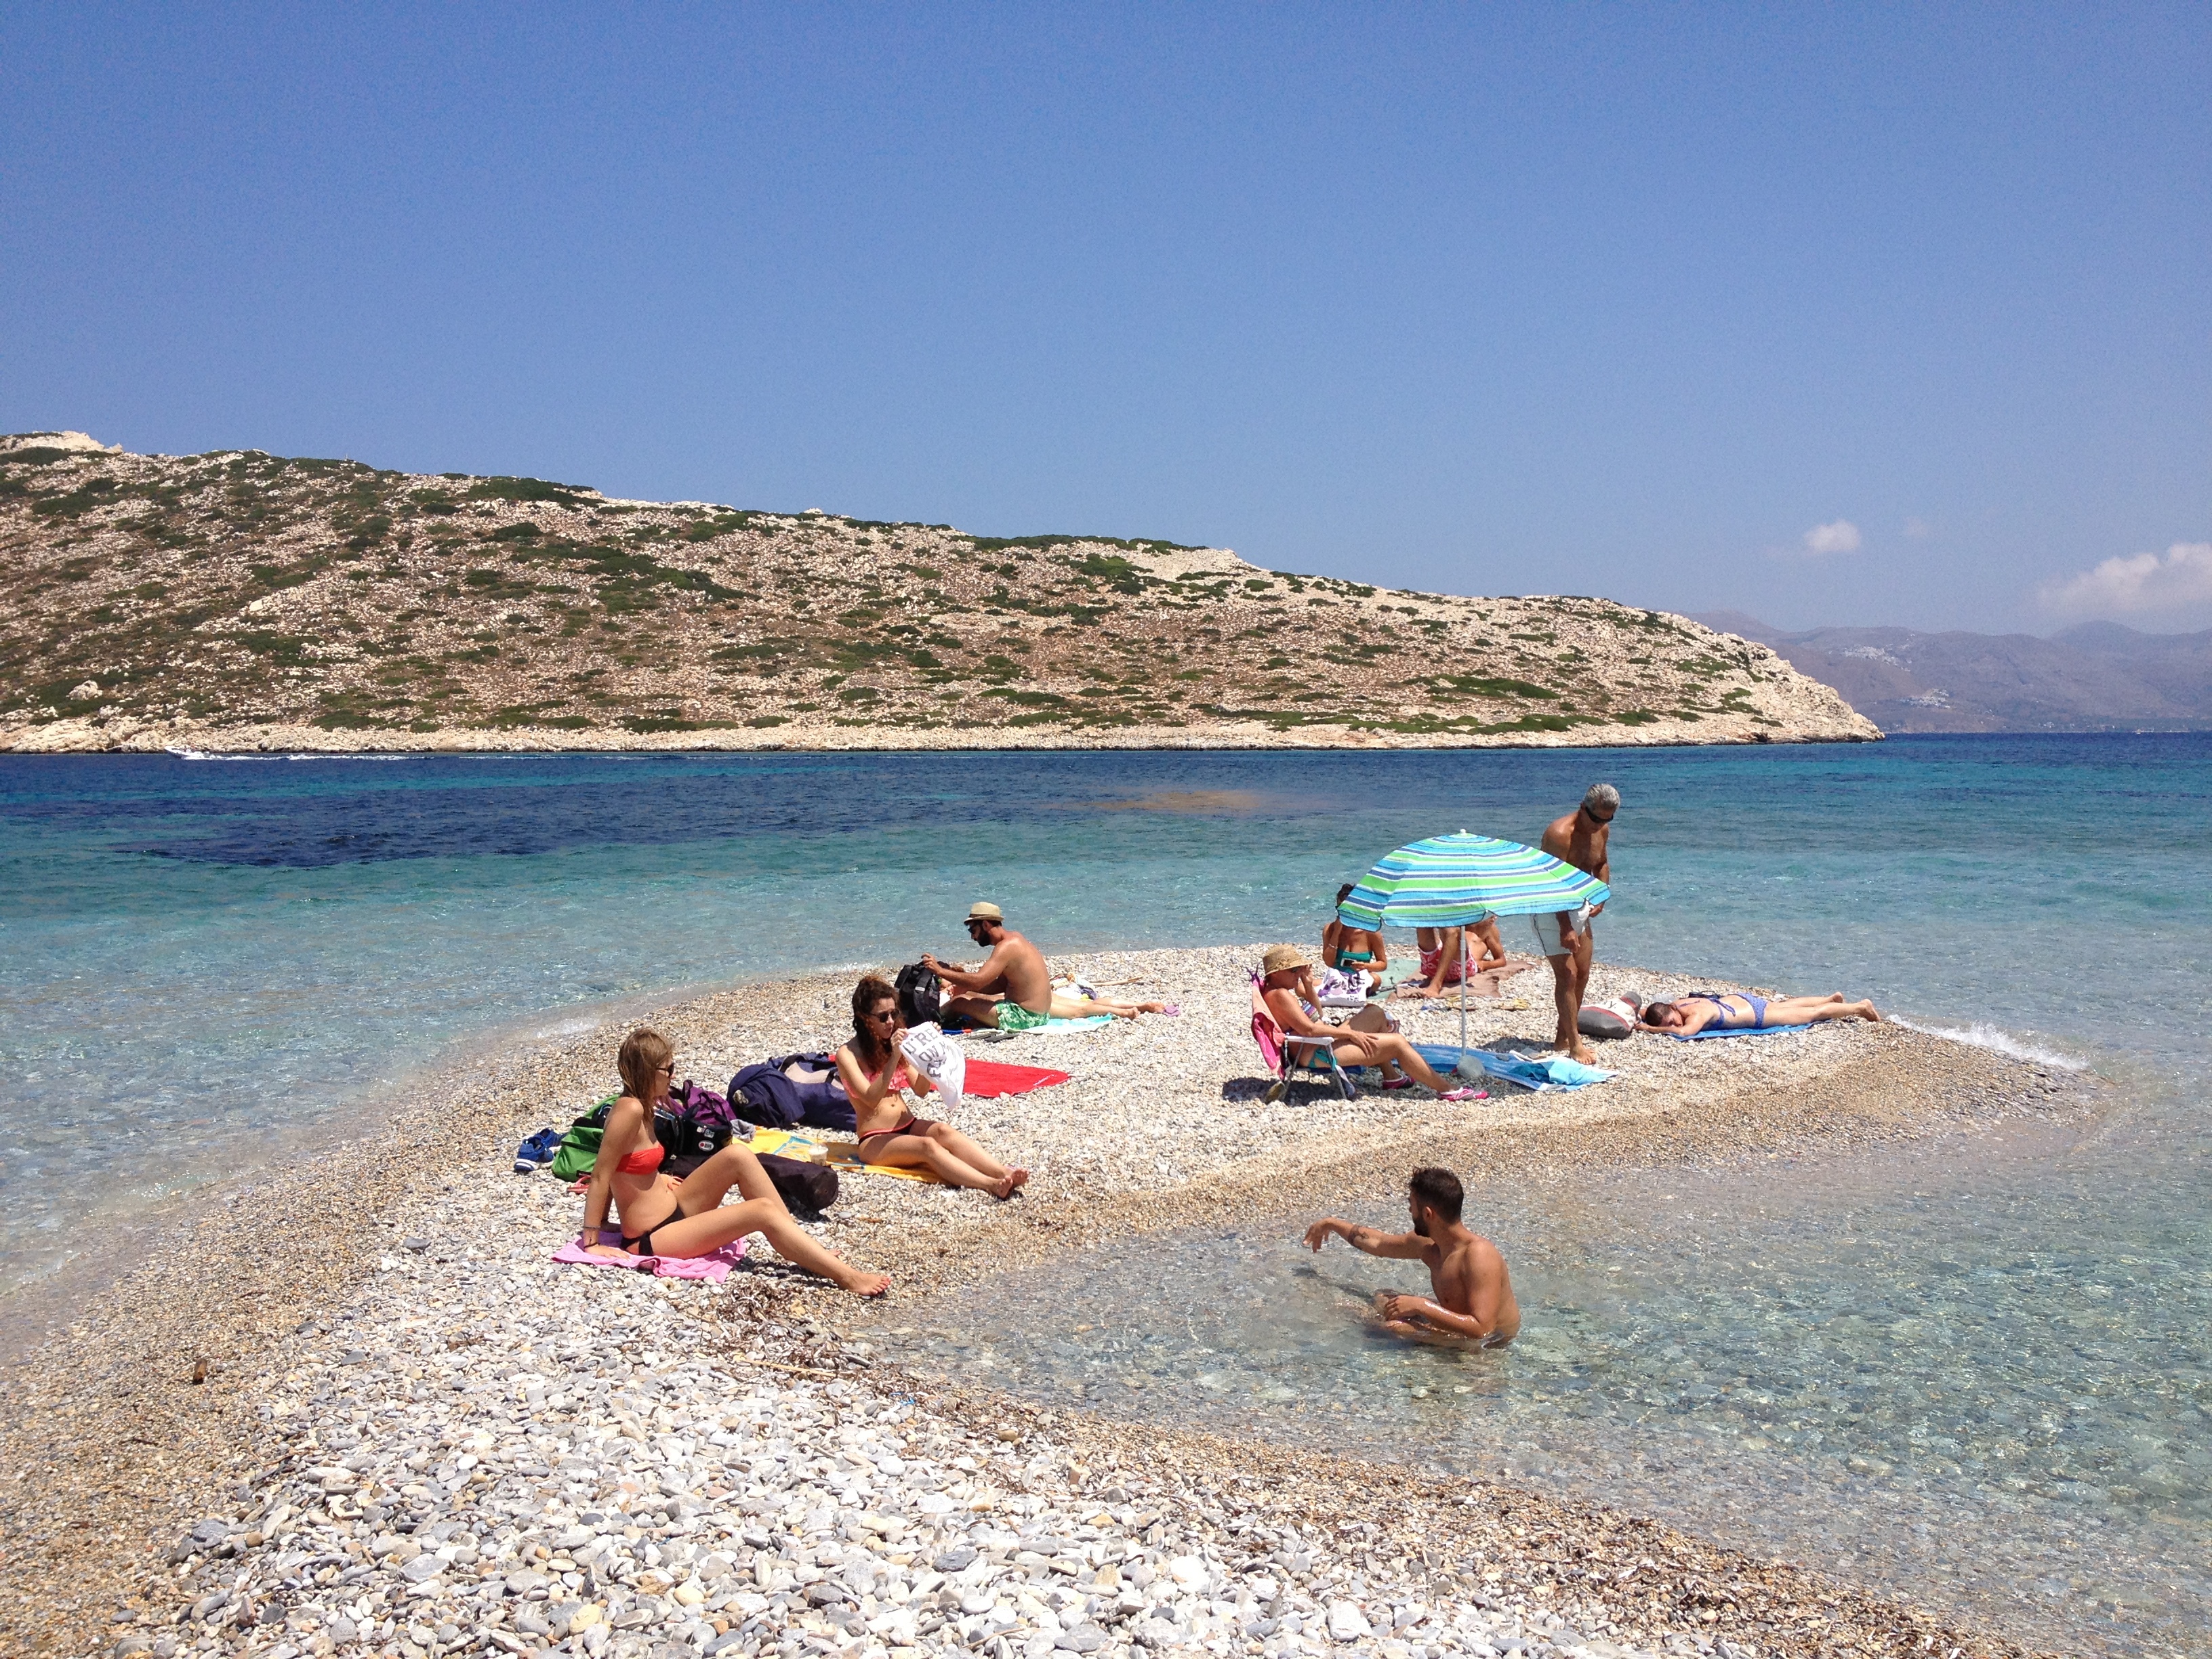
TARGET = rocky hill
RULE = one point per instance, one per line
(240, 600)
(2099, 677)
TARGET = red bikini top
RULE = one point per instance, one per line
(644, 1161)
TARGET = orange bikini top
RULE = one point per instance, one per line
(644, 1161)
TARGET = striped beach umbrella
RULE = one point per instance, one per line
(1454, 881)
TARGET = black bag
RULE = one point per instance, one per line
(920, 994)
(803, 1186)
(696, 1124)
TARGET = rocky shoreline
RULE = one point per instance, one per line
(354, 1409)
(93, 737)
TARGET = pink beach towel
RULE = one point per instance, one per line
(714, 1268)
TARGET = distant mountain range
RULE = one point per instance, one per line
(2099, 677)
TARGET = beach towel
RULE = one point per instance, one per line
(1050, 1028)
(837, 1154)
(846, 1154)
(989, 1078)
(1395, 975)
(1735, 1030)
(714, 1268)
(1534, 1072)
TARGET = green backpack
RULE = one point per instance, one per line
(579, 1147)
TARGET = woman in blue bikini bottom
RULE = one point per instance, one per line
(1739, 1010)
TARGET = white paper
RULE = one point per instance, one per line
(938, 1058)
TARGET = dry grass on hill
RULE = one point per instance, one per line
(157, 599)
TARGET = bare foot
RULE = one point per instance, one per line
(866, 1284)
(1870, 1012)
(1013, 1182)
(1583, 1052)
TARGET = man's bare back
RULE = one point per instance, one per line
(1471, 1298)
(1014, 972)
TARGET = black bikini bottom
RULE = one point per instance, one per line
(642, 1244)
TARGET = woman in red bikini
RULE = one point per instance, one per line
(661, 1215)
(876, 1075)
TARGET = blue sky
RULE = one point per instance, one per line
(1830, 315)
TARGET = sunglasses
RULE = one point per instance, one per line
(884, 1013)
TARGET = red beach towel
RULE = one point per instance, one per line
(988, 1078)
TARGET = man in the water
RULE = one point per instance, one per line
(1566, 936)
(1473, 1294)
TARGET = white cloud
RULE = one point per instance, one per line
(2179, 579)
(1841, 537)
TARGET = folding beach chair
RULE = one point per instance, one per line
(1286, 1054)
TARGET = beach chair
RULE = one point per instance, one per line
(1286, 1055)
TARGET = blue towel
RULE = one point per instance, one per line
(1535, 1072)
(1735, 1030)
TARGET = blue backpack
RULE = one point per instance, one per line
(761, 1094)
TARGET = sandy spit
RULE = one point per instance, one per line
(176, 1397)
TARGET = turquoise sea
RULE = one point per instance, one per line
(1980, 1373)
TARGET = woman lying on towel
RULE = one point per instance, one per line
(1739, 1010)
(876, 1075)
(661, 1215)
(1285, 986)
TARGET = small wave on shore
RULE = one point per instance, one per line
(1980, 1034)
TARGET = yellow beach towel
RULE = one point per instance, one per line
(837, 1154)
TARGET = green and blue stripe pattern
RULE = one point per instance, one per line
(1448, 881)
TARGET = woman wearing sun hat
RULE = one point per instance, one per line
(1284, 971)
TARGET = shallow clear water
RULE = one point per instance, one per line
(200, 960)
(1891, 1370)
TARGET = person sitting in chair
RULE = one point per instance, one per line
(1286, 973)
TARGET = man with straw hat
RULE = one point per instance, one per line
(1011, 990)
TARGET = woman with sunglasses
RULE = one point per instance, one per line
(661, 1215)
(876, 1075)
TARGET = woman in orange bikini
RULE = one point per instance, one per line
(876, 1075)
(661, 1215)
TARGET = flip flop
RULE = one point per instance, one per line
(1464, 1094)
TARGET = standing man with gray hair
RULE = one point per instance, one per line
(1565, 935)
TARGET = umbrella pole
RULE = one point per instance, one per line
(1462, 994)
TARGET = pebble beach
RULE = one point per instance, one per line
(353, 1408)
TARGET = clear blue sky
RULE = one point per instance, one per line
(1617, 299)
